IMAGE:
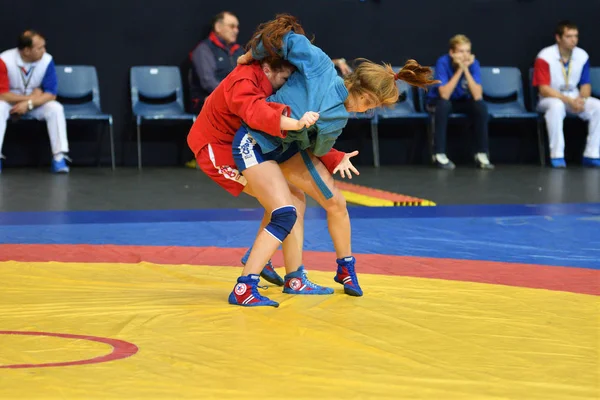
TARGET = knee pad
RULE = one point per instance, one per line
(282, 222)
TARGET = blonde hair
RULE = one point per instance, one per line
(457, 40)
(379, 81)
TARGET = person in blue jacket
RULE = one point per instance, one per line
(314, 87)
(460, 91)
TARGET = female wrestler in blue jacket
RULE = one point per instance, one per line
(263, 159)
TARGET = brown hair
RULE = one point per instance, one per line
(219, 18)
(278, 63)
(562, 26)
(25, 39)
(458, 39)
(379, 81)
(271, 33)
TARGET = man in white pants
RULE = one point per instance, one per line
(558, 72)
(28, 85)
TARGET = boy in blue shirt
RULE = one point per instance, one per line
(460, 91)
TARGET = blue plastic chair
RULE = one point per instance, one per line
(405, 109)
(79, 93)
(503, 94)
(595, 80)
(374, 123)
(156, 94)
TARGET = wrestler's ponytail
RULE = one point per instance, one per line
(379, 81)
(415, 74)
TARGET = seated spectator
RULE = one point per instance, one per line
(214, 58)
(28, 85)
(562, 76)
(460, 91)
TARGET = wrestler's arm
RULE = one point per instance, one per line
(339, 162)
(332, 159)
(246, 100)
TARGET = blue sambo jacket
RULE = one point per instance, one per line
(315, 86)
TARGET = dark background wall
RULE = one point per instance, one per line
(116, 34)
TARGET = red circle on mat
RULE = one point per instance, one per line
(121, 349)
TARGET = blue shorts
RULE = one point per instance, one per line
(247, 153)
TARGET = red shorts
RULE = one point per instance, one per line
(227, 176)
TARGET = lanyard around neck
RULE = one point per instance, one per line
(566, 71)
(24, 74)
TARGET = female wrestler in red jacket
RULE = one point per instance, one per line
(241, 96)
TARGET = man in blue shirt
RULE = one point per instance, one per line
(460, 91)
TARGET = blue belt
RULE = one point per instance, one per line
(315, 175)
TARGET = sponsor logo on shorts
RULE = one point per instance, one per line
(229, 172)
(246, 148)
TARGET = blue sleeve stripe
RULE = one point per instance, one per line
(49, 82)
(585, 74)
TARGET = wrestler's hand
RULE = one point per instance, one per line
(308, 119)
(345, 166)
(245, 58)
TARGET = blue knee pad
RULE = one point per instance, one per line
(282, 222)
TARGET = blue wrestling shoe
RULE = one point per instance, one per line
(346, 275)
(558, 163)
(245, 293)
(298, 283)
(268, 273)
(60, 167)
(591, 162)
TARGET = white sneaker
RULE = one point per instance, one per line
(442, 161)
(482, 161)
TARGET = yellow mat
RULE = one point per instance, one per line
(407, 338)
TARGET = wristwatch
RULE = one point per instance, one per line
(30, 104)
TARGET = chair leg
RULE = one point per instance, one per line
(522, 141)
(112, 143)
(375, 141)
(139, 145)
(184, 148)
(414, 145)
(541, 149)
(430, 134)
(99, 145)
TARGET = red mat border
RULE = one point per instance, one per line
(566, 279)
